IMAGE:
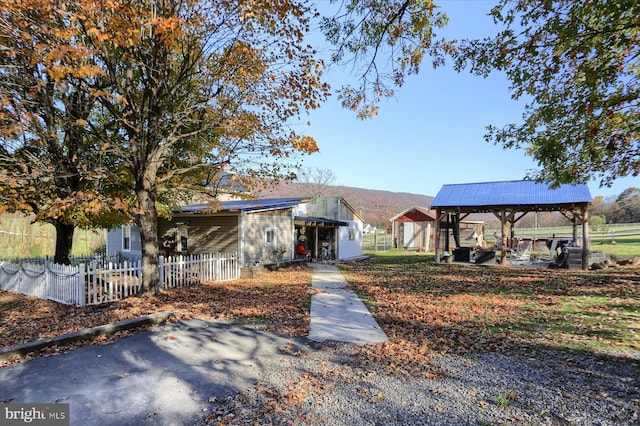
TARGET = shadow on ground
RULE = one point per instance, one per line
(166, 375)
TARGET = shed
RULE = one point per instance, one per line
(412, 229)
(509, 201)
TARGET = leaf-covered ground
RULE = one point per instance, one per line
(426, 308)
(275, 301)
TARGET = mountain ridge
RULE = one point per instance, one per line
(375, 206)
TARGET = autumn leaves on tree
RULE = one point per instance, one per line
(577, 67)
(111, 108)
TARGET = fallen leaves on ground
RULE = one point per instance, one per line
(468, 308)
(275, 301)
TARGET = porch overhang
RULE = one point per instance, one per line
(318, 222)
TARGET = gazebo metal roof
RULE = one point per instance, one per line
(525, 195)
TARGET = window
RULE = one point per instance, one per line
(126, 238)
(270, 237)
(182, 235)
(352, 233)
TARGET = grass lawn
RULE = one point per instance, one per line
(627, 246)
(424, 308)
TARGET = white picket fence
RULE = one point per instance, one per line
(92, 283)
(180, 271)
(61, 283)
(112, 282)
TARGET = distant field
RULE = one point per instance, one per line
(620, 240)
(20, 238)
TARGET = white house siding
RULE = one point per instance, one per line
(350, 240)
(114, 243)
(255, 226)
(326, 207)
(336, 208)
(114, 240)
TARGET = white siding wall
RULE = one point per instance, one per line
(348, 248)
(114, 243)
(114, 240)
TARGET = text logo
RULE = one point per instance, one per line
(34, 414)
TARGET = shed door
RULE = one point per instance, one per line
(408, 234)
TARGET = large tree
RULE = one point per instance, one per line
(629, 206)
(195, 85)
(577, 65)
(49, 163)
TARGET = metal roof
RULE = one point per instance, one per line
(245, 205)
(314, 221)
(526, 193)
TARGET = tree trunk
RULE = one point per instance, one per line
(148, 225)
(64, 242)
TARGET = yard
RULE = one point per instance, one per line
(466, 308)
(422, 306)
(559, 317)
(277, 301)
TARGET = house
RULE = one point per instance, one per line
(263, 231)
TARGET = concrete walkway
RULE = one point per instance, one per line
(337, 314)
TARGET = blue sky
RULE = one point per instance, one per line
(432, 132)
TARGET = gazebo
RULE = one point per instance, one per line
(510, 201)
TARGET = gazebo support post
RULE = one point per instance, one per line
(503, 236)
(505, 218)
(437, 232)
(583, 216)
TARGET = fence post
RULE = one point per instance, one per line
(161, 274)
(80, 285)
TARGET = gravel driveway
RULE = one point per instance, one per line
(330, 386)
(197, 372)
